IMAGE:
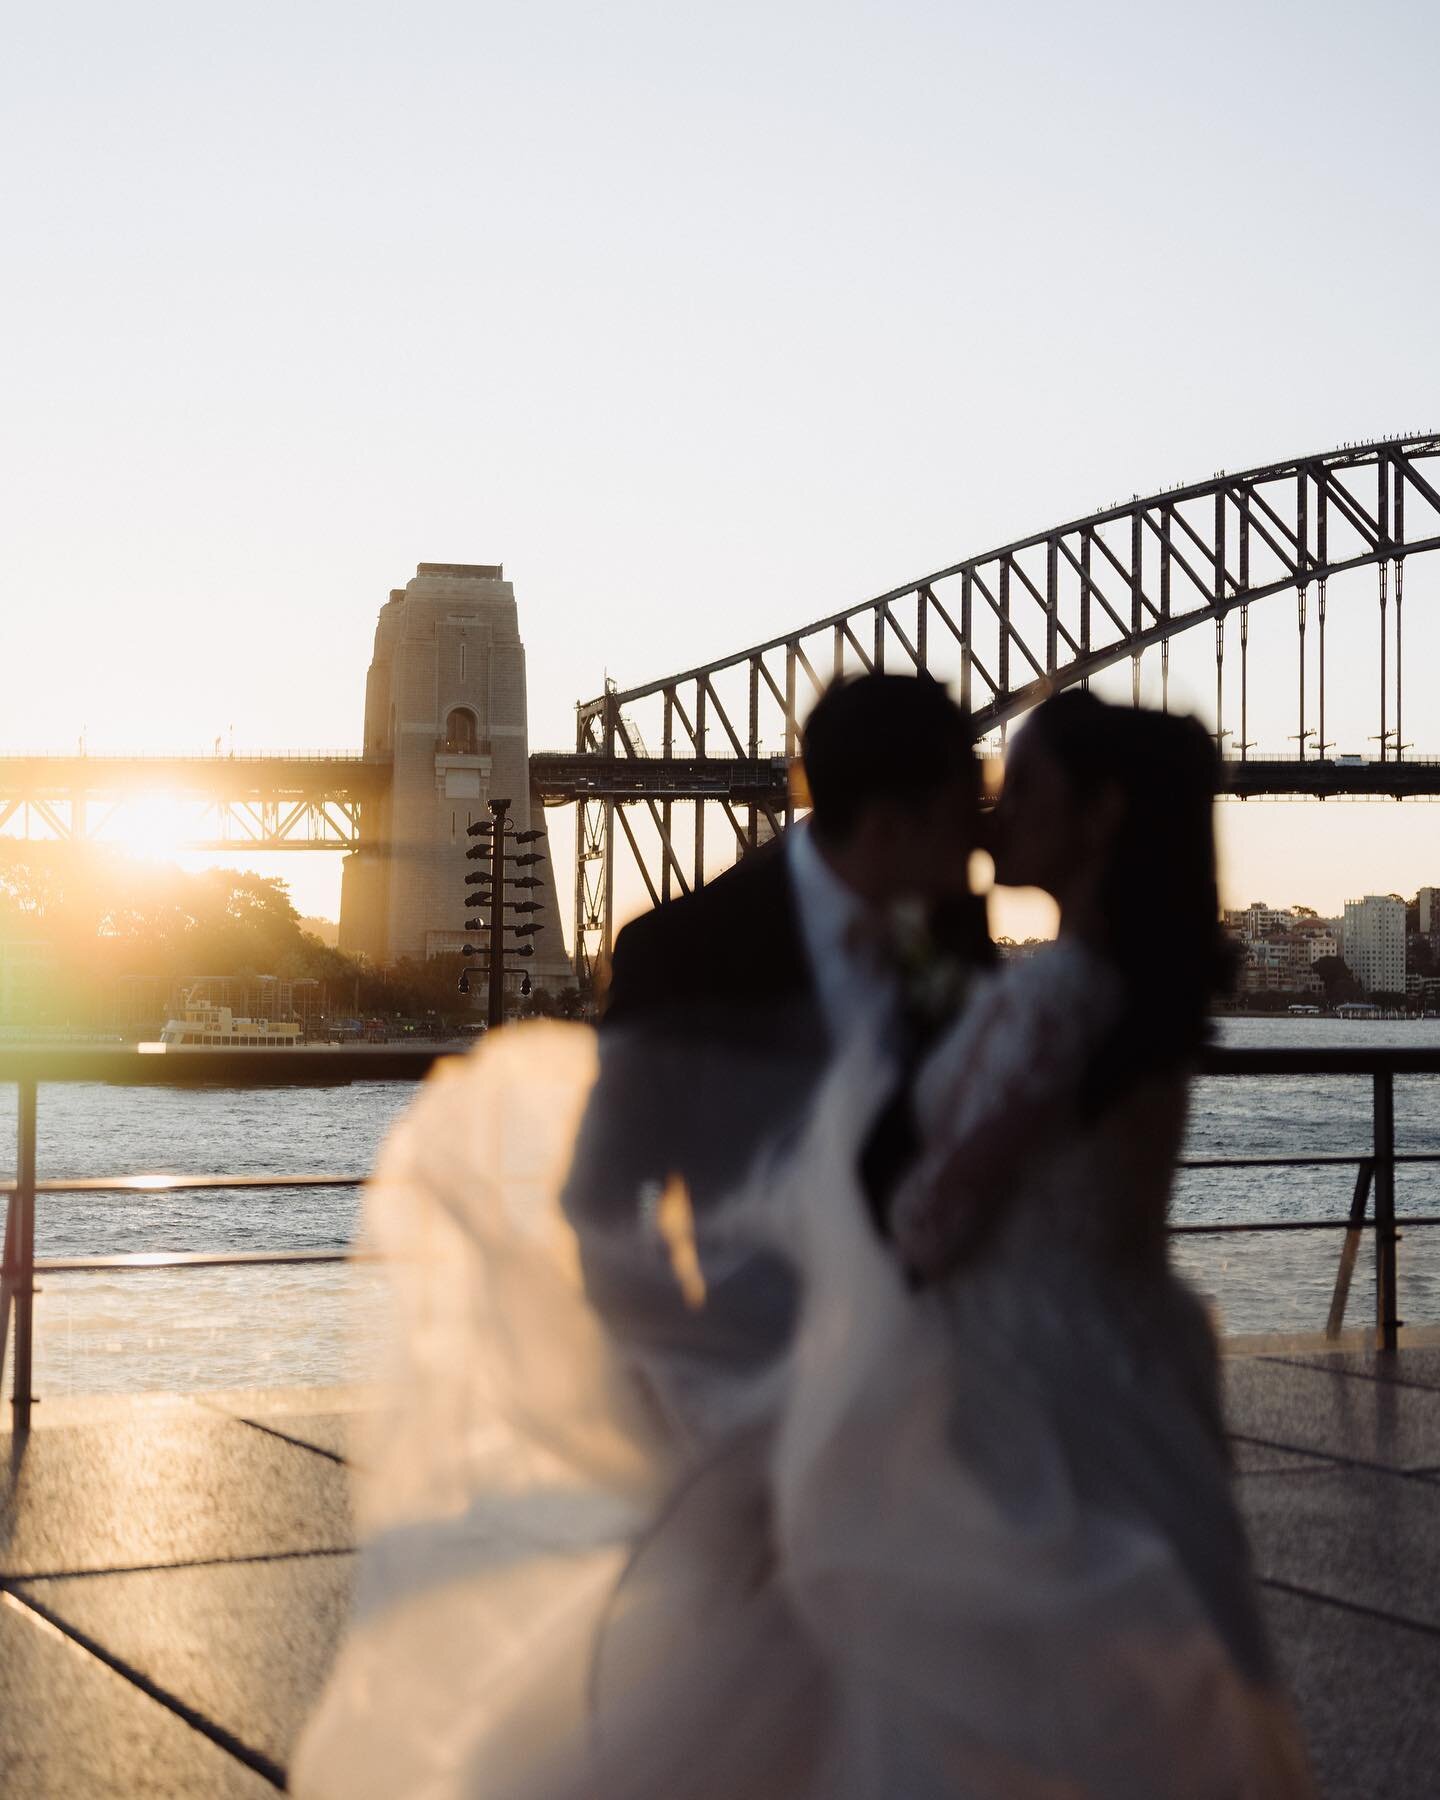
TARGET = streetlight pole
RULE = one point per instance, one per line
(498, 810)
(501, 831)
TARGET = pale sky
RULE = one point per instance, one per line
(704, 320)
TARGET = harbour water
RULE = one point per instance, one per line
(200, 1329)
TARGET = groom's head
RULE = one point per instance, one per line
(894, 785)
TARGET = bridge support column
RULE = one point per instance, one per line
(1302, 538)
(364, 885)
(1384, 578)
(1382, 514)
(1398, 527)
(1322, 554)
(445, 702)
(1399, 661)
(1300, 626)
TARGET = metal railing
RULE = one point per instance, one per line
(1374, 1171)
(29, 1069)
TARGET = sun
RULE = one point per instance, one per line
(153, 828)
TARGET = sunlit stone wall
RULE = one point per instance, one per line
(445, 700)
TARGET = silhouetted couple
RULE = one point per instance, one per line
(832, 1421)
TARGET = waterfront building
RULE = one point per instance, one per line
(1279, 948)
(1375, 943)
(1321, 939)
(1279, 965)
(1428, 907)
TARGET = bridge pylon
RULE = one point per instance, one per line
(445, 704)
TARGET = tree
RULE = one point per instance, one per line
(569, 1003)
(417, 989)
(1340, 984)
(105, 917)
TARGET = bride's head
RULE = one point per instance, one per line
(1110, 810)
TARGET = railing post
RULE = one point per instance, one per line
(1387, 1322)
(18, 1277)
(1350, 1250)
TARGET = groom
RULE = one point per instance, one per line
(894, 786)
(726, 1005)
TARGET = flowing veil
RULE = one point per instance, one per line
(559, 1476)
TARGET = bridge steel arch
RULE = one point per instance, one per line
(1008, 627)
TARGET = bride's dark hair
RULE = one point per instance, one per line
(1159, 901)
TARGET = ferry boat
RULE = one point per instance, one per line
(207, 1026)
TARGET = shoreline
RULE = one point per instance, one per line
(1293, 1018)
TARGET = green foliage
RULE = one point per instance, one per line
(1340, 984)
(569, 1004)
(415, 990)
(104, 918)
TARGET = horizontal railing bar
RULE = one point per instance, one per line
(221, 1259)
(319, 1066)
(170, 1183)
(179, 1184)
(1316, 1060)
(193, 1259)
(324, 1066)
(1296, 1225)
(1338, 1159)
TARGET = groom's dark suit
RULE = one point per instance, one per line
(734, 945)
(711, 1045)
(711, 1042)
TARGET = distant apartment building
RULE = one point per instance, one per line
(1374, 948)
(1428, 906)
(1279, 948)
(1425, 989)
(1320, 937)
(1257, 920)
(1279, 965)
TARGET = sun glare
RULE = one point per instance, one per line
(154, 828)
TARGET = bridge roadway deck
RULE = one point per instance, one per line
(175, 1572)
(562, 777)
(275, 775)
(1318, 778)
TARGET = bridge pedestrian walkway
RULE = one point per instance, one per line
(174, 1574)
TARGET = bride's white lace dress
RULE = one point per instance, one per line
(1004, 1501)
(972, 1540)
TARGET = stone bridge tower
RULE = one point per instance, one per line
(445, 701)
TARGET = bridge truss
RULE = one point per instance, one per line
(1014, 624)
(215, 803)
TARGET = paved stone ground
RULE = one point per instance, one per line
(174, 1575)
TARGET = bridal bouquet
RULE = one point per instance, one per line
(933, 971)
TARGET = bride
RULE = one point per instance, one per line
(974, 1538)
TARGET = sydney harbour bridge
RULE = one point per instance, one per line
(667, 773)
